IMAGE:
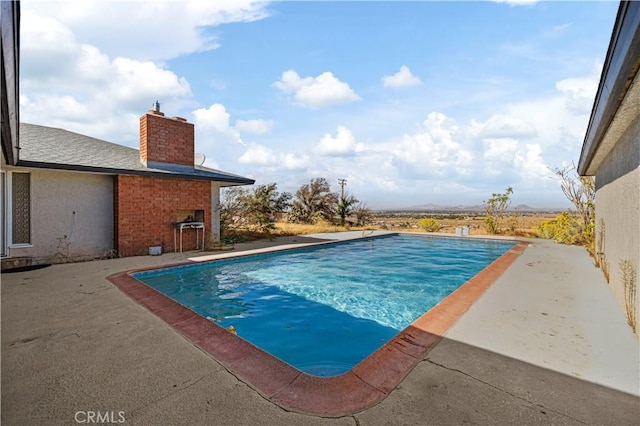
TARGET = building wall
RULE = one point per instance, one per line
(71, 216)
(147, 208)
(618, 212)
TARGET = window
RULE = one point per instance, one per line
(21, 208)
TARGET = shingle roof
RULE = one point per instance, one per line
(53, 148)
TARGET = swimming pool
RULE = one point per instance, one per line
(324, 309)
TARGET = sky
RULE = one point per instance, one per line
(413, 103)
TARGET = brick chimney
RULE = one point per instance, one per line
(166, 140)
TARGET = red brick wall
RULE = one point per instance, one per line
(146, 208)
(166, 140)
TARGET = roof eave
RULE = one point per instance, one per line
(232, 180)
(619, 70)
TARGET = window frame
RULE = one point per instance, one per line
(9, 212)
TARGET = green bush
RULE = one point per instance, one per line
(429, 224)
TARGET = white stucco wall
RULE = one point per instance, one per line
(71, 216)
(618, 208)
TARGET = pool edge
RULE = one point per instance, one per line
(365, 385)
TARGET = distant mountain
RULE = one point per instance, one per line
(475, 208)
(526, 208)
(441, 208)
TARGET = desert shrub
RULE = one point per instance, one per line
(629, 278)
(512, 223)
(495, 208)
(589, 237)
(363, 214)
(581, 191)
(566, 229)
(547, 229)
(429, 224)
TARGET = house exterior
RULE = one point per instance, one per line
(71, 197)
(67, 197)
(611, 153)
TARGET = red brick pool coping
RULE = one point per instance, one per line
(365, 385)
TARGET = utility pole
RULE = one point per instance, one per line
(342, 183)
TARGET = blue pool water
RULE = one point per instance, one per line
(324, 309)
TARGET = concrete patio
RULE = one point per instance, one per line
(546, 344)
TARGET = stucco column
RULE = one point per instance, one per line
(215, 211)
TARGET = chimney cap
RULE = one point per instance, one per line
(156, 106)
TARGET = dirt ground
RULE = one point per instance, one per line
(523, 224)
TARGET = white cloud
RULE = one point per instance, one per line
(216, 118)
(561, 27)
(434, 151)
(294, 161)
(291, 82)
(315, 92)
(579, 93)
(256, 127)
(53, 60)
(67, 80)
(149, 30)
(104, 59)
(531, 165)
(224, 143)
(442, 160)
(45, 41)
(343, 144)
(517, 2)
(68, 84)
(402, 78)
(258, 155)
(136, 81)
(560, 119)
(67, 108)
(500, 149)
(504, 126)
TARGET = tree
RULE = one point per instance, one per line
(580, 191)
(231, 208)
(575, 226)
(263, 204)
(495, 208)
(255, 209)
(314, 202)
(345, 207)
